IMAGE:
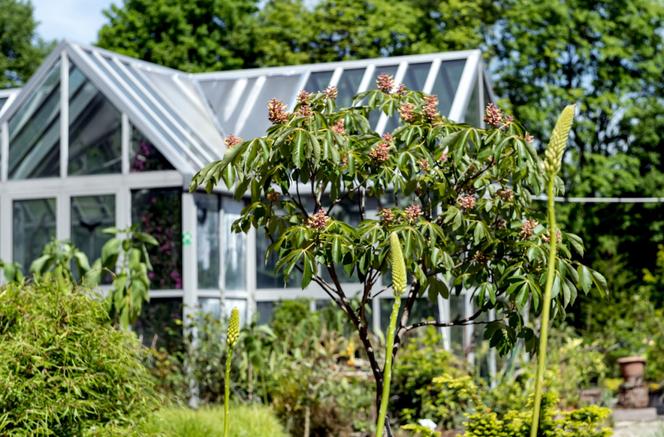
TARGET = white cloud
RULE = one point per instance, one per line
(75, 20)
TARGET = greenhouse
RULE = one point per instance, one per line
(96, 139)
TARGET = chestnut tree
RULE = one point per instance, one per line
(458, 196)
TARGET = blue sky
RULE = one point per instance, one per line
(75, 20)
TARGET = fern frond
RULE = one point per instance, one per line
(398, 265)
(554, 151)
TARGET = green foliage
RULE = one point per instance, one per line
(64, 370)
(573, 364)
(12, 271)
(468, 189)
(585, 422)
(21, 50)
(200, 35)
(59, 257)
(126, 257)
(249, 421)
(308, 372)
(431, 383)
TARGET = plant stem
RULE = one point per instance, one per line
(227, 391)
(387, 371)
(546, 307)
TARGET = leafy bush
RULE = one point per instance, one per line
(417, 396)
(248, 421)
(64, 370)
(585, 422)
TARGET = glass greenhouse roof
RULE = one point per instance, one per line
(187, 116)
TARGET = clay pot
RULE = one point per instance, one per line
(632, 368)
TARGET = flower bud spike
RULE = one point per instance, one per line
(233, 327)
(554, 151)
(398, 265)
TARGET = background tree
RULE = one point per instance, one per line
(21, 50)
(191, 35)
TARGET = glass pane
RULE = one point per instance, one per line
(158, 212)
(227, 98)
(348, 85)
(266, 275)
(318, 81)
(144, 155)
(90, 215)
(158, 324)
(34, 132)
(207, 240)
(472, 115)
(234, 247)
(265, 312)
(33, 227)
(284, 88)
(211, 305)
(416, 76)
(184, 103)
(2, 102)
(446, 84)
(94, 129)
(374, 116)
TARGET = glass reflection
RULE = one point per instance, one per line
(34, 132)
(33, 227)
(94, 129)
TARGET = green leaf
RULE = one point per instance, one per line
(585, 278)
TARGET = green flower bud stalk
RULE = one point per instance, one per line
(552, 162)
(553, 155)
(399, 286)
(398, 265)
(231, 339)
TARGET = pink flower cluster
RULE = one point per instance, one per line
(466, 201)
(406, 112)
(273, 196)
(385, 83)
(339, 127)
(381, 152)
(506, 194)
(303, 97)
(413, 212)
(528, 228)
(276, 111)
(319, 220)
(493, 115)
(547, 239)
(424, 165)
(331, 92)
(431, 107)
(387, 215)
(232, 141)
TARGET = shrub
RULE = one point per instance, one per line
(248, 421)
(64, 370)
(585, 422)
(416, 396)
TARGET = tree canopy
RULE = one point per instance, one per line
(607, 56)
(21, 50)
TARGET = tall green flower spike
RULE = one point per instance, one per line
(398, 265)
(231, 339)
(552, 162)
(233, 328)
(399, 286)
(554, 151)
